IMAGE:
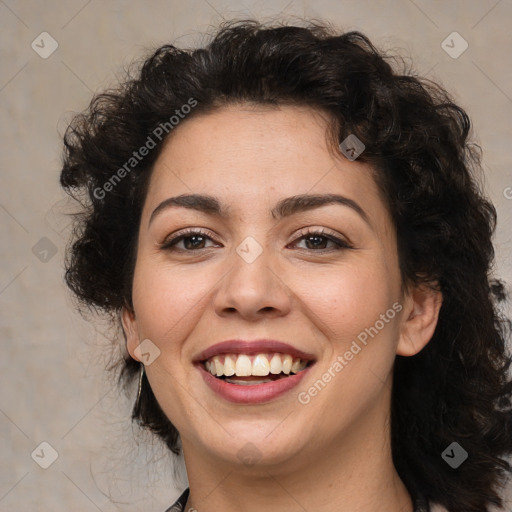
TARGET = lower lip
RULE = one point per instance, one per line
(253, 394)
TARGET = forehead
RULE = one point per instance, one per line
(252, 156)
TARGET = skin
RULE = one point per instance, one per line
(332, 454)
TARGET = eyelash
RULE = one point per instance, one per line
(168, 245)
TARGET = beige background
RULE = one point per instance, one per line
(52, 381)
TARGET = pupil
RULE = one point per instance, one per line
(194, 237)
(316, 238)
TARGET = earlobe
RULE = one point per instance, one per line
(130, 331)
(420, 319)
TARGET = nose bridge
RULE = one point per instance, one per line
(252, 282)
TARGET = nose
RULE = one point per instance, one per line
(253, 288)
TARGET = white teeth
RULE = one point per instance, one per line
(243, 366)
(229, 366)
(287, 364)
(219, 367)
(259, 365)
(276, 365)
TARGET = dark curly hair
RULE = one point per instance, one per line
(417, 142)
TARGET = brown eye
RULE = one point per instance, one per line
(316, 241)
(193, 240)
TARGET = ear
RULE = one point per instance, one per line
(130, 330)
(421, 312)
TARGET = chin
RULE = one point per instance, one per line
(254, 446)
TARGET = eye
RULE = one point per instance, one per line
(193, 239)
(318, 238)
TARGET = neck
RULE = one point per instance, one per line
(354, 473)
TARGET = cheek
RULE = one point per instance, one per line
(346, 300)
(167, 302)
(354, 309)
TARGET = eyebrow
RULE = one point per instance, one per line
(284, 208)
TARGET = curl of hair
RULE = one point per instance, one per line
(417, 140)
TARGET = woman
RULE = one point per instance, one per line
(291, 235)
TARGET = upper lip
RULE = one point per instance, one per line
(251, 347)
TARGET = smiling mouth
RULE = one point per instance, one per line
(250, 370)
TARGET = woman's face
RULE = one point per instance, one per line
(254, 275)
